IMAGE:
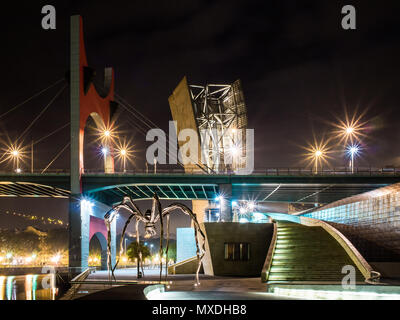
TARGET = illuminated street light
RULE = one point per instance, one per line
(352, 150)
(349, 130)
(317, 153)
(107, 133)
(251, 205)
(104, 151)
(123, 153)
(16, 154)
(56, 259)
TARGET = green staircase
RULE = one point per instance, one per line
(310, 254)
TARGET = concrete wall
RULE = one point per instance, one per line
(258, 235)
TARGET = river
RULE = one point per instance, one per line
(29, 287)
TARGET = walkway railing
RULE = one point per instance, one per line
(338, 171)
(271, 251)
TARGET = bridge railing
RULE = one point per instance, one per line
(338, 171)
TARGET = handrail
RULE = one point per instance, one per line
(270, 254)
(180, 263)
(83, 275)
(76, 282)
(371, 276)
(281, 171)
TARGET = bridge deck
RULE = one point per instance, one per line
(110, 188)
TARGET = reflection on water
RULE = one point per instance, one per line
(28, 287)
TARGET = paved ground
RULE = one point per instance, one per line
(213, 295)
(178, 287)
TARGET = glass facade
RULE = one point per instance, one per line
(237, 251)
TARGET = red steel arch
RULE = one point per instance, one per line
(91, 102)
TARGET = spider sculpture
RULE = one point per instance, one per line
(150, 218)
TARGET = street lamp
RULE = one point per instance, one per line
(352, 150)
(123, 155)
(15, 154)
(107, 133)
(251, 206)
(349, 131)
(317, 155)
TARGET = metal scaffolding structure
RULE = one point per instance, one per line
(221, 117)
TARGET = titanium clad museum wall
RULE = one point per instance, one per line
(371, 221)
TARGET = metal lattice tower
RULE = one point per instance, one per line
(220, 114)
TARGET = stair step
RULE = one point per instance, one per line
(319, 279)
(302, 236)
(311, 259)
(279, 262)
(305, 253)
(314, 267)
(301, 245)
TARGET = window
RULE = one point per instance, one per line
(235, 251)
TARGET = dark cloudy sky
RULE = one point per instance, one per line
(297, 65)
(298, 68)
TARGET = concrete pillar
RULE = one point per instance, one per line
(79, 226)
(226, 206)
(75, 254)
(75, 228)
(199, 207)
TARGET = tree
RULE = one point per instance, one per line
(133, 253)
(171, 251)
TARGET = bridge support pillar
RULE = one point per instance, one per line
(226, 205)
(76, 229)
(80, 227)
(85, 102)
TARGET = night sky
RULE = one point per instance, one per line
(299, 69)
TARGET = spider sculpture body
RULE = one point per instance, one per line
(150, 219)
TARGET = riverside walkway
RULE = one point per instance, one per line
(177, 287)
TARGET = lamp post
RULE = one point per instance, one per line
(353, 151)
(16, 154)
(317, 155)
(123, 155)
